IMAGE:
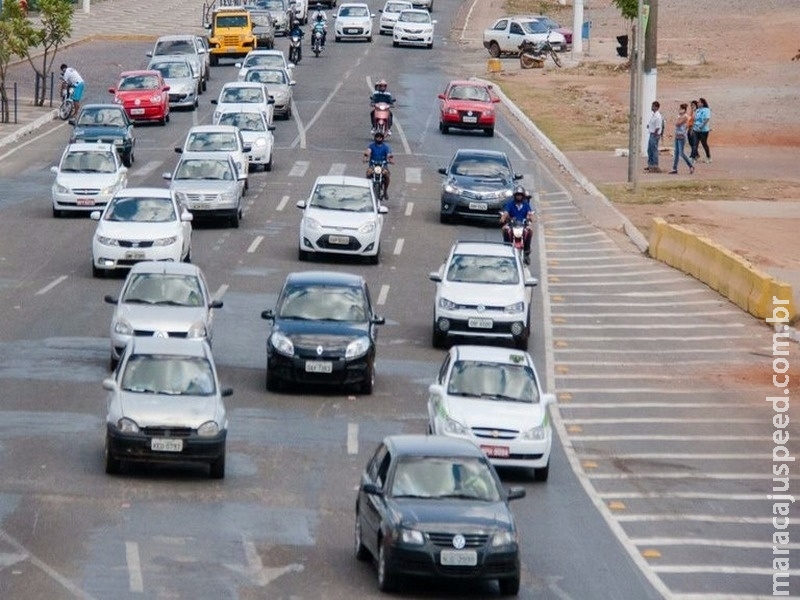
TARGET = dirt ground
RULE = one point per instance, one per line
(704, 49)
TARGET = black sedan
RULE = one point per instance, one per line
(433, 506)
(323, 332)
(108, 123)
(477, 184)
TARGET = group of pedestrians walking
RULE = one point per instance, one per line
(692, 124)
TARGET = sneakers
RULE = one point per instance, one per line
(673, 172)
(707, 161)
(691, 170)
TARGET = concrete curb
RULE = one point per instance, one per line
(30, 127)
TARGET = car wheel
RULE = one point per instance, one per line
(438, 339)
(362, 553)
(57, 213)
(509, 587)
(268, 165)
(214, 60)
(163, 121)
(430, 46)
(445, 219)
(385, 576)
(289, 112)
(113, 465)
(188, 257)
(272, 384)
(98, 273)
(374, 260)
(337, 38)
(369, 382)
(216, 468)
(127, 158)
(235, 218)
(443, 128)
(543, 473)
(489, 131)
(494, 50)
(205, 84)
(521, 343)
(303, 255)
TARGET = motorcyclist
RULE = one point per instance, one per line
(381, 94)
(519, 208)
(298, 32)
(379, 153)
(320, 23)
(70, 76)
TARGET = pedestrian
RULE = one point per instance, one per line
(655, 129)
(681, 130)
(691, 135)
(702, 126)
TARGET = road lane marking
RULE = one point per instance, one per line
(145, 170)
(413, 175)
(51, 285)
(282, 203)
(684, 475)
(708, 542)
(382, 295)
(667, 438)
(409, 208)
(299, 168)
(721, 570)
(660, 421)
(135, 582)
(352, 438)
(398, 246)
(220, 291)
(254, 244)
(337, 169)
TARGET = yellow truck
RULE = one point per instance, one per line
(230, 32)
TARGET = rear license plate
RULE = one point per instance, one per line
(85, 202)
(137, 111)
(496, 451)
(480, 323)
(166, 445)
(470, 119)
(459, 558)
(478, 206)
(134, 255)
(319, 366)
(340, 240)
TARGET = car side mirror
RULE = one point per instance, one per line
(187, 217)
(109, 299)
(179, 150)
(515, 493)
(226, 391)
(371, 488)
(518, 176)
(166, 176)
(376, 320)
(54, 170)
(268, 315)
(112, 90)
(71, 122)
(441, 97)
(531, 282)
(435, 276)
(94, 215)
(150, 53)
(435, 389)
(301, 204)
(109, 384)
(442, 170)
(383, 209)
(548, 399)
(214, 101)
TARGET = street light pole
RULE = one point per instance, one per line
(635, 123)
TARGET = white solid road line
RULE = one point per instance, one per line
(352, 438)
(337, 169)
(413, 175)
(255, 244)
(299, 168)
(135, 581)
(708, 542)
(51, 285)
(282, 203)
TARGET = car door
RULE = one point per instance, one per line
(372, 506)
(516, 35)
(186, 226)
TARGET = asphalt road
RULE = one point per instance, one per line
(664, 462)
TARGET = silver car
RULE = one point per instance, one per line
(189, 45)
(161, 299)
(279, 84)
(182, 77)
(165, 406)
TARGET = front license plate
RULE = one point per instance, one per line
(134, 255)
(166, 445)
(470, 119)
(319, 366)
(341, 240)
(85, 202)
(199, 205)
(351, 30)
(230, 50)
(137, 111)
(459, 558)
(496, 451)
(478, 206)
(480, 323)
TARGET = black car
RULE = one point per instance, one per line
(107, 123)
(433, 506)
(263, 28)
(478, 183)
(323, 332)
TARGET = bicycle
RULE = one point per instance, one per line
(67, 103)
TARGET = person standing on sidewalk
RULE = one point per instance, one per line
(690, 132)
(681, 130)
(70, 76)
(655, 129)
(702, 127)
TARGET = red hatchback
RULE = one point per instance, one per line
(144, 95)
(467, 105)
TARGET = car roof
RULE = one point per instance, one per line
(480, 153)
(416, 10)
(152, 192)
(195, 155)
(497, 354)
(240, 107)
(343, 180)
(162, 58)
(140, 72)
(170, 345)
(176, 37)
(88, 146)
(431, 445)
(164, 267)
(484, 248)
(212, 129)
(97, 106)
(245, 84)
(469, 82)
(325, 278)
(260, 51)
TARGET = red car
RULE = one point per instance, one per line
(144, 95)
(467, 105)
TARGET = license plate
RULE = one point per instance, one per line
(85, 202)
(199, 205)
(459, 558)
(478, 206)
(480, 323)
(319, 366)
(230, 50)
(166, 445)
(350, 30)
(470, 119)
(496, 451)
(341, 240)
(134, 255)
(137, 111)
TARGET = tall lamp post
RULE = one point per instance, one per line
(635, 123)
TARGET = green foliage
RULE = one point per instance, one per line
(46, 32)
(13, 42)
(628, 8)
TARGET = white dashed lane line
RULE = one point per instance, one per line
(51, 285)
(254, 244)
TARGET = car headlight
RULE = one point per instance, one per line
(508, 193)
(515, 308)
(61, 189)
(155, 98)
(282, 344)
(119, 142)
(127, 425)
(453, 427)
(229, 196)
(367, 227)
(208, 429)
(197, 330)
(451, 188)
(446, 304)
(411, 537)
(109, 189)
(502, 538)
(536, 433)
(357, 347)
(312, 224)
(117, 100)
(452, 111)
(167, 241)
(123, 327)
(107, 241)
(260, 142)
(182, 197)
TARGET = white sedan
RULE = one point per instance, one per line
(87, 177)
(414, 27)
(341, 216)
(140, 224)
(353, 21)
(268, 58)
(493, 397)
(237, 93)
(255, 131)
(389, 13)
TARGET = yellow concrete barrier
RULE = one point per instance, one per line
(494, 65)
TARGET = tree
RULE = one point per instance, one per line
(628, 8)
(54, 26)
(12, 43)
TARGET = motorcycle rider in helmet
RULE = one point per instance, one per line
(298, 32)
(518, 208)
(381, 94)
(320, 20)
(379, 153)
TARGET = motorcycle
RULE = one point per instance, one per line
(316, 41)
(516, 234)
(379, 179)
(532, 52)
(382, 114)
(295, 49)
(67, 103)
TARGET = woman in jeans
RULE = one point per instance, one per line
(681, 130)
(702, 127)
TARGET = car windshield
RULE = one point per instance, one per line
(276, 5)
(92, 117)
(323, 303)
(474, 268)
(348, 198)
(444, 477)
(235, 95)
(414, 17)
(223, 21)
(138, 82)
(396, 7)
(161, 288)
(150, 210)
(263, 60)
(204, 168)
(212, 141)
(262, 20)
(172, 375)
(469, 92)
(481, 167)
(354, 11)
(88, 162)
(246, 121)
(165, 47)
(535, 27)
(492, 380)
(173, 70)
(265, 76)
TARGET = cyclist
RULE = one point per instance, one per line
(71, 77)
(379, 153)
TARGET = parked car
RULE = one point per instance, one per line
(183, 81)
(263, 28)
(281, 14)
(256, 133)
(433, 506)
(140, 224)
(165, 406)
(477, 184)
(190, 46)
(274, 59)
(226, 139)
(506, 34)
(105, 123)
(238, 93)
(279, 84)
(467, 104)
(87, 177)
(164, 299)
(389, 13)
(341, 216)
(353, 21)
(482, 291)
(414, 27)
(554, 25)
(323, 332)
(209, 185)
(144, 95)
(494, 398)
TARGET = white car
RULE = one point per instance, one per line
(341, 216)
(274, 59)
(506, 34)
(255, 131)
(414, 27)
(140, 224)
(389, 13)
(220, 138)
(353, 21)
(166, 299)
(493, 397)
(279, 84)
(87, 177)
(482, 292)
(300, 8)
(235, 93)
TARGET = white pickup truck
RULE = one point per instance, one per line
(507, 33)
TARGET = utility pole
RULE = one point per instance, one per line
(650, 70)
(577, 25)
(635, 110)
